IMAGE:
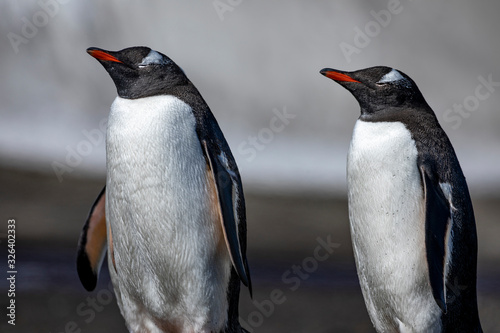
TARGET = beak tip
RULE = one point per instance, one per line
(91, 51)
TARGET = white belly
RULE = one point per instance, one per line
(172, 269)
(386, 212)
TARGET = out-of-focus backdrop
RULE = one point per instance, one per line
(257, 65)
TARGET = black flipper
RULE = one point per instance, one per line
(437, 222)
(229, 192)
(92, 244)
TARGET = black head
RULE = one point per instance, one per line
(139, 71)
(379, 89)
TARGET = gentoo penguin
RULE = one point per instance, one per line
(411, 217)
(172, 212)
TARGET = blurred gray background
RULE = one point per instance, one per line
(253, 62)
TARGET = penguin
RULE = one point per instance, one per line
(411, 218)
(172, 214)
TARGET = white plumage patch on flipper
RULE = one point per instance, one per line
(447, 191)
(446, 188)
(394, 76)
(223, 158)
(387, 218)
(153, 57)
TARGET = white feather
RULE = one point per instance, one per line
(447, 190)
(161, 207)
(153, 57)
(394, 76)
(223, 158)
(386, 211)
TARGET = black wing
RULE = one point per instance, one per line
(437, 223)
(92, 244)
(230, 194)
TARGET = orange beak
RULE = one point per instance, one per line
(101, 55)
(336, 76)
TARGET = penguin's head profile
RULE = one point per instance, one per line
(139, 71)
(378, 89)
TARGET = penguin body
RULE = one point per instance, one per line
(172, 180)
(384, 193)
(411, 217)
(173, 202)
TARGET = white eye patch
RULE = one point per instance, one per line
(395, 76)
(153, 57)
(392, 76)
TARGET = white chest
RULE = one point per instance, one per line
(386, 211)
(155, 165)
(162, 212)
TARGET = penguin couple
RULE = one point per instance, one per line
(171, 217)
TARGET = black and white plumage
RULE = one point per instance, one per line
(173, 210)
(412, 221)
